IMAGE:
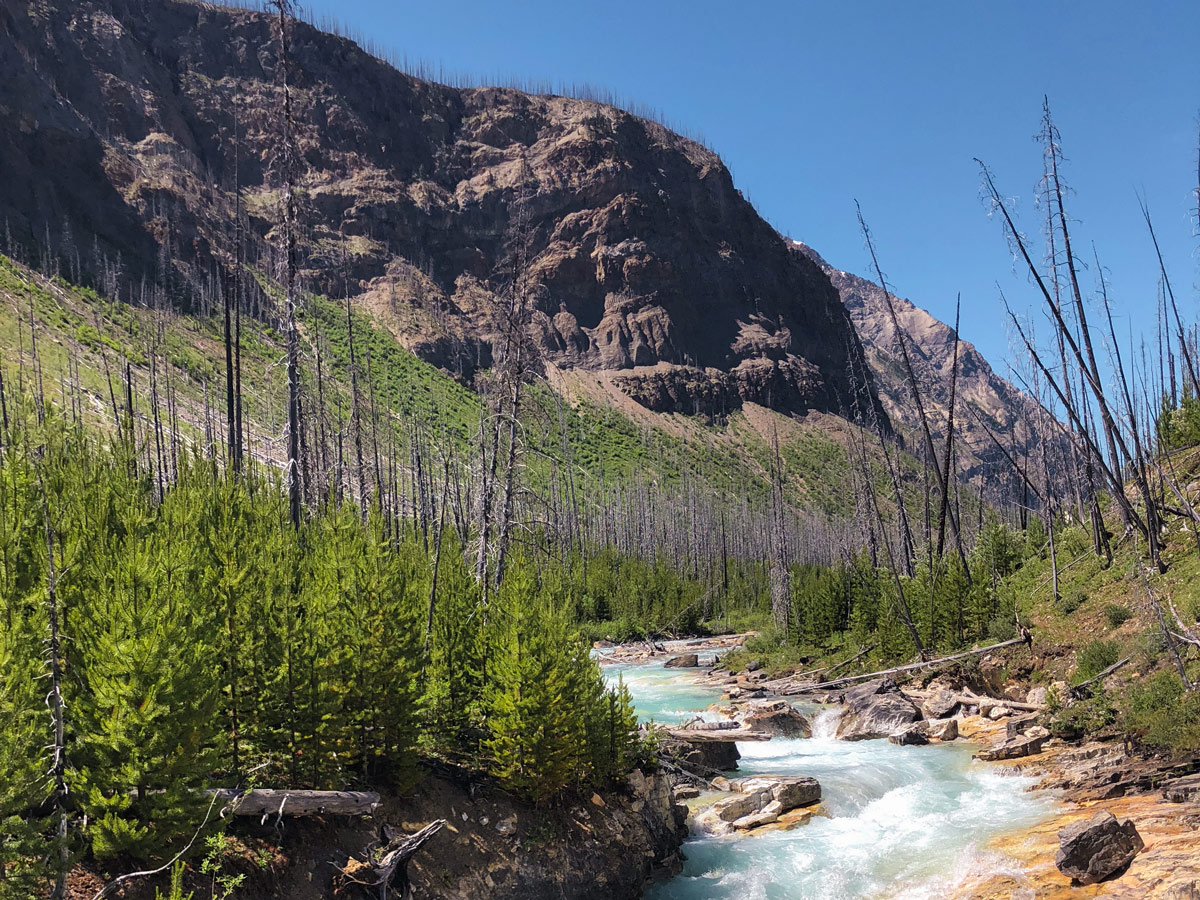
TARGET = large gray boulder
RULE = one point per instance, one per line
(940, 705)
(875, 710)
(777, 718)
(683, 661)
(1093, 850)
(914, 735)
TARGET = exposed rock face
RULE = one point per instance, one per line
(1002, 406)
(495, 847)
(876, 709)
(1093, 850)
(644, 257)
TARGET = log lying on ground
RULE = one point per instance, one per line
(913, 667)
(269, 802)
(969, 698)
(1080, 689)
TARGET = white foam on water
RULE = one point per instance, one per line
(899, 822)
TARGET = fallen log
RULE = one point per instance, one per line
(968, 698)
(268, 802)
(913, 667)
(1078, 690)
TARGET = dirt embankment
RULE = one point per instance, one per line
(492, 846)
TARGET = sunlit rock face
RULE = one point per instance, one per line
(424, 201)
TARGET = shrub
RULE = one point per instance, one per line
(1081, 718)
(1164, 715)
(1095, 658)
(1117, 614)
(1070, 600)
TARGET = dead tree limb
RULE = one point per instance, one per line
(387, 863)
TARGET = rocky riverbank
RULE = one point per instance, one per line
(1159, 796)
(1091, 777)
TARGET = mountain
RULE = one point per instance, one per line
(130, 125)
(983, 397)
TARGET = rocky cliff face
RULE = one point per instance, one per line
(128, 123)
(1009, 413)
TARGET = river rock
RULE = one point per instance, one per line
(913, 735)
(683, 661)
(1182, 790)
(790, 791)
(999, 711)
(1026, 744)
(756, 801)
(875, 710)
(940, 705)
(686, 792)
(944, 730)
(778, 718)
(1093, 850)
(702, 758)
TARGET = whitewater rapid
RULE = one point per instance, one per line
(903, 823)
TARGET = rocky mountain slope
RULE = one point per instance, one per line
(128, 125)
(982, 395)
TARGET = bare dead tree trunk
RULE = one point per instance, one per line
(291, 329)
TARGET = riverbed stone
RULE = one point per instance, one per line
(683, 661)
(940, 705)
(944, 730)
(790, 791)
(875, 710)
(1182, 790)
(912, 736)
(1092, 850)
(739, 805)
(1014, 748)
(779, 719)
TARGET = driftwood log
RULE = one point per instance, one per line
(267, 802)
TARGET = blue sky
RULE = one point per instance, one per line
(813, 106)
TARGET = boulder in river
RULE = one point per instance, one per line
(944, 730)
(1093, 850)
(875, 710)
(940, 705)
(790, 791)
(777, 718)
(914, 735)
(683, 661)
(756, 801)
